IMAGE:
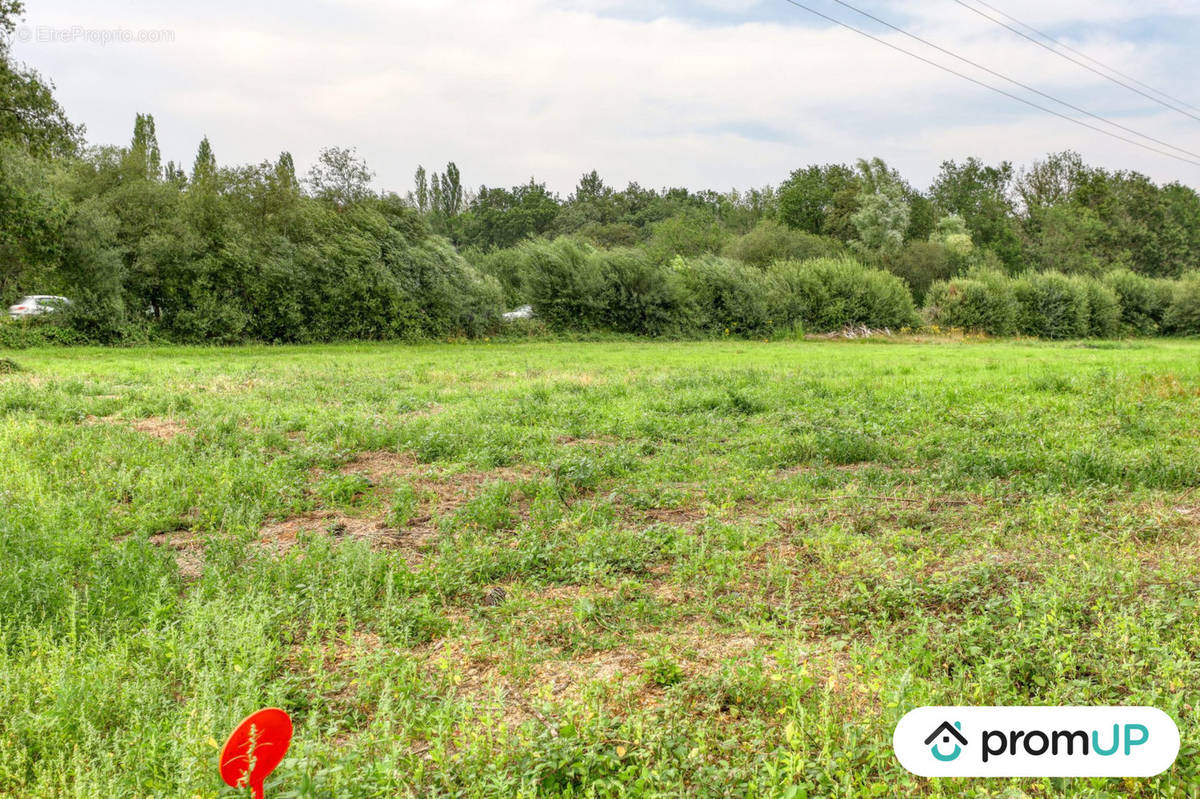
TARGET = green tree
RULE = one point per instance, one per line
(340, 177)
(32, 215)
(447, 192)
(421, 190)
(982, 196)
(285, 172)
(204, 168)
(691, 232)
(30, 117)
(951, 232)
(504, 217)
(820, 200)
(770, 241)
(883, 213)
(1050, 182)
(143, 148)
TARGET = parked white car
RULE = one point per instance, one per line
(37, 304)
(524, 312)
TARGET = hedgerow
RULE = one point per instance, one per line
(833, 293)
(984, 301)
(1183, 315)
(1143, 300)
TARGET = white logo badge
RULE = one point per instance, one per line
(1036, 741)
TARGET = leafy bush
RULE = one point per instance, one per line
(609, 236)
(833, 293)
(770, 241)
(565, 284)
(1104, 308)
(1183, 316)
(663, 670)
(690, 233)
(505, 266)
(920, 263)
(640, 297)
(1052, 305)
(729, 297)
(24, 333)
(1144, 301)
(984, 301)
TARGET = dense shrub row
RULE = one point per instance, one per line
(573, 286)
(1056, 306)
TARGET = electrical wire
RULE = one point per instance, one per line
(1082, 54)
(978, 82)
(1015, 82)
(1076, 61)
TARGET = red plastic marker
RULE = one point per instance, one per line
(255, 748)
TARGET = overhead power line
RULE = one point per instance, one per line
(990, 87)
(1015, 82)
(1077, 62)
(1085, 55)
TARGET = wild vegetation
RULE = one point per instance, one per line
(154, 251)
(601, 569)
(604, 568)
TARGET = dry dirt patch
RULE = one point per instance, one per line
(280, 536)
(439, 493)
(616, 676)
(680, 517)
(188, 549)
(448, 490)
(336, 657)
(156, 426)
(164, 429)
(382, 465)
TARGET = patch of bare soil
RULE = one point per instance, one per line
(91, 419)
(225, 384)
(382, 465)
(572, 441)
(442, 493)
(615, 676)
(336, 659)
(579, 378)
(439, 493)
(850, 468)
(1166, 386)
(680, 517)
(160, 428)
(188, 549)
(280, 536)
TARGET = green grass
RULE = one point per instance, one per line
(610, 569)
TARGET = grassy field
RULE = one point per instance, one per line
(587, 569)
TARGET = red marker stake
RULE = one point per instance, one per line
(255, 748)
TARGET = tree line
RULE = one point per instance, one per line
(213, 252)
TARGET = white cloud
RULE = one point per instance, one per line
(515, 88)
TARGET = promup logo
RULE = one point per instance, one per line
(947, 731)
(1036, 741)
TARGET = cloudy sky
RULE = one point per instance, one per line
(698, 93)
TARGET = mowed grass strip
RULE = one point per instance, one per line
(634, 569)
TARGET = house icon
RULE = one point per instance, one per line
(946, 731)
